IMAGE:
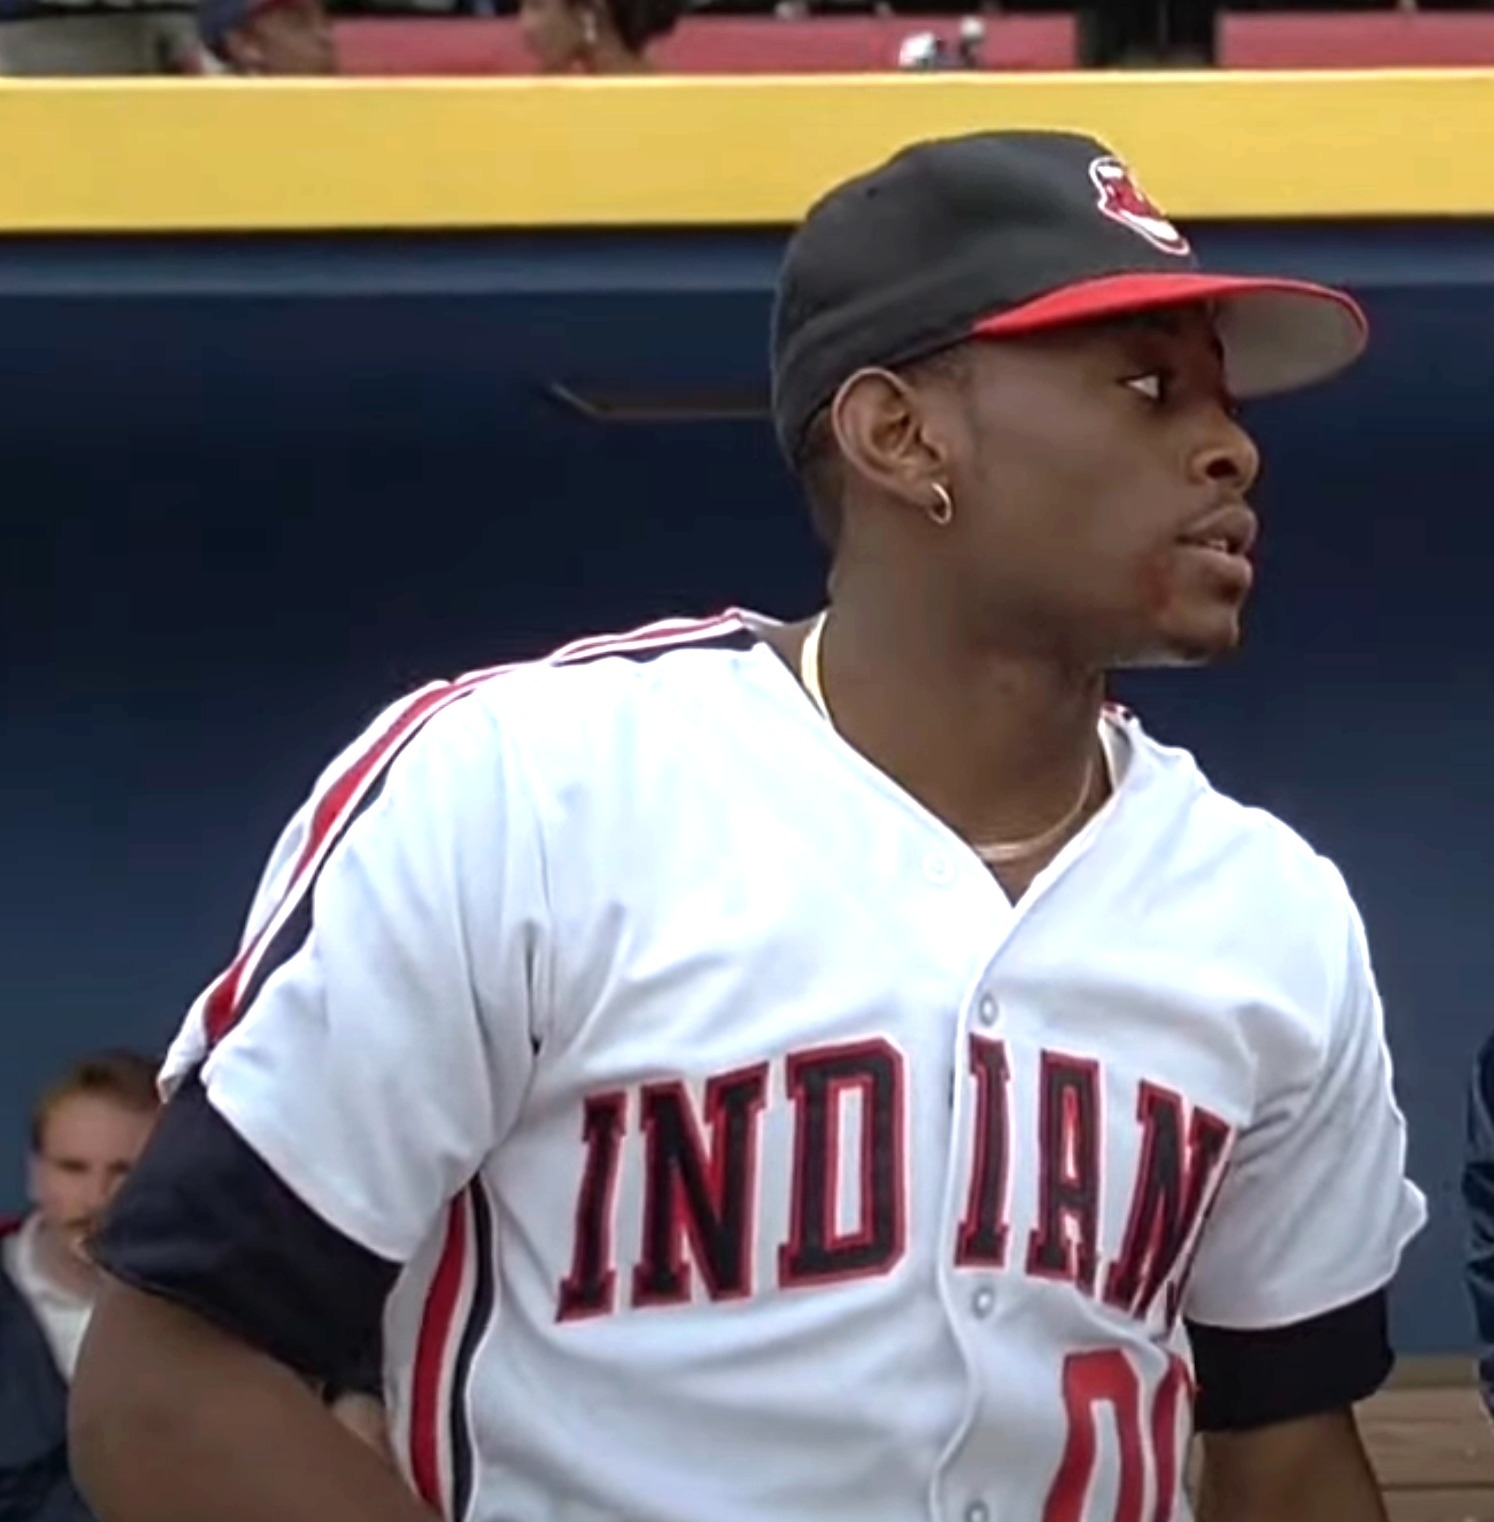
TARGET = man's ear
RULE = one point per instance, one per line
(888, 436)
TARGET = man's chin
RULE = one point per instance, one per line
(77, 1244)
(1182, 647)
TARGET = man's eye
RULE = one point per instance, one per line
(1153, 385)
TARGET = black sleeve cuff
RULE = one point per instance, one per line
(1279, 1374)
(203, 1221)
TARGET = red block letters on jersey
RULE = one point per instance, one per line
(701, 1182)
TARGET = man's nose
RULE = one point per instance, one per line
(1231, 459)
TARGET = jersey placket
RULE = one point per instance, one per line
(968, 1486)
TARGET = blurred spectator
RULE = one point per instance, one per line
(266, 37)
(929, 51)
(41, 39)
(87, 1130)
(595, 36)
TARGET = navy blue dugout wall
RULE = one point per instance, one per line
(253, 489)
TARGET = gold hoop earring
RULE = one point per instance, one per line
(941, 514)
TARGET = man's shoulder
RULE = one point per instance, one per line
(15, 1302)
(590, 690)
(33, 1407)
(1286, 917)
(1256, 847)
(668, 645)
(593, 712)
(1483, 1090)
(11, 1239)
(11, 1227)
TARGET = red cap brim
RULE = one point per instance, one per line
(1277, 334)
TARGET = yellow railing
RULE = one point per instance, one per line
(257, 155)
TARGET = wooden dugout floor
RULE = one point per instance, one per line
(1432, 1444)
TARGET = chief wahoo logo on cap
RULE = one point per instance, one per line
(1123, 200)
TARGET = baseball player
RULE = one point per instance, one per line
(768, 1072)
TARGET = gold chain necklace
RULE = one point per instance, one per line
(996, 854)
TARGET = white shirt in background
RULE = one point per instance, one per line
(63, 1314)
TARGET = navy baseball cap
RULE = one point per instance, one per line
(999, 234)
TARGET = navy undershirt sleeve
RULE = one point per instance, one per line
(1259, 1377)
(203, 1221)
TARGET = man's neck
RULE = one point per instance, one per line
(998, 746)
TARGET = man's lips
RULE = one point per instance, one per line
(1230, 529)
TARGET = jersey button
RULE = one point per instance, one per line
(983, 1302)
(977, 1511)
(987, 1010)
(938, 868)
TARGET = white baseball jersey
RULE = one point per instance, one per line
(752, 1157)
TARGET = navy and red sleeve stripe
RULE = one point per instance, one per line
(340, 803)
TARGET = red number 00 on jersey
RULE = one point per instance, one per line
(1104, 1385)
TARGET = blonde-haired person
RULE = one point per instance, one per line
(87, 1129)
